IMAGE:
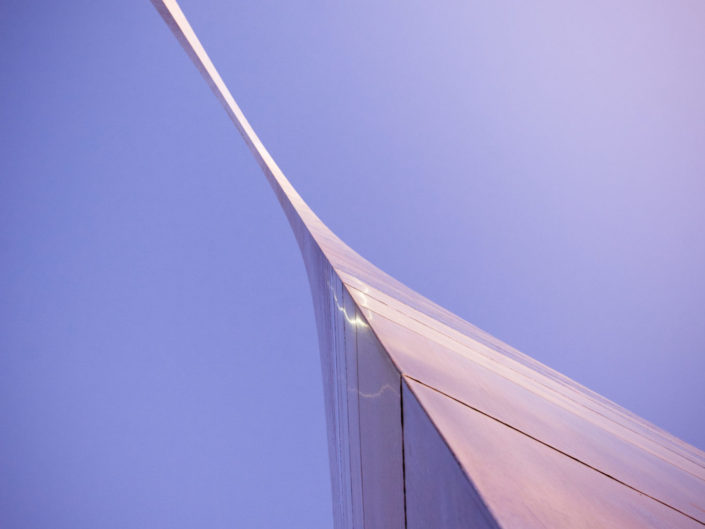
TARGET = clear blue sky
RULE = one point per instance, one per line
(539, 170)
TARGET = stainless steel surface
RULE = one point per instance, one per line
(530, 485)
(438, 492)
(490, 437)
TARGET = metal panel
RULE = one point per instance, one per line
(438, 493)
(527, 484)
(380, 433)
(363, 407)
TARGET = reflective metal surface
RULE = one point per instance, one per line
(434, 423)
(529, 484)
(438, 493)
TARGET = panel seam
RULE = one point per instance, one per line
(554, 448)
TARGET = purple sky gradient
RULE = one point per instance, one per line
(540, 171)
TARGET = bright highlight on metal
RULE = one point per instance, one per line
(432, 423)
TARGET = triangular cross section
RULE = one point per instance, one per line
(433, 423)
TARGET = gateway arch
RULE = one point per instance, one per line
(433, 423)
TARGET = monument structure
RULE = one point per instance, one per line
(434, 424)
